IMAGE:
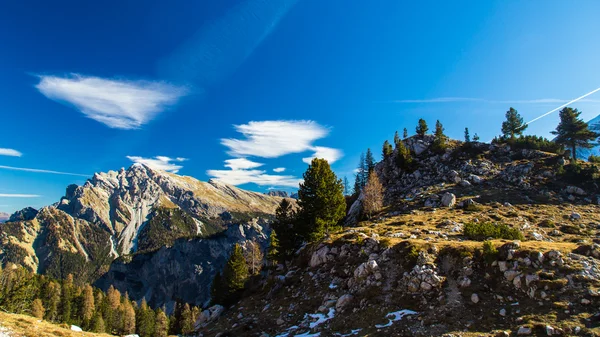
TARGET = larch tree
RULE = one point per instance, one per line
(422, 128)
(52, 300)
(372, 195)
(322, 203)
(254, 257)
(98, 323)
(573, 132)
(128, 316)
(187, 323)
(513, 125)
(67, 299)
(87, 306)
(162, 324)
(144, 319)
(37, 309)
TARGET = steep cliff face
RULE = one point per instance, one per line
(183, 272)
(124, 212)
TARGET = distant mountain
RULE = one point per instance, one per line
(584, 154)
(274, 193)
(138, 210)
(4, 217)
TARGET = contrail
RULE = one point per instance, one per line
(562, 106)
(41, 171)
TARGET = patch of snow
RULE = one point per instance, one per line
(308, 334)
(76, 328)
(199, 226)
(321, 318)
(113, 247)
(395, 316)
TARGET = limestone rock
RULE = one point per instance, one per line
(448, 200)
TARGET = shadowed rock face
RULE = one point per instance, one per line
(183, 272)
(112, 215)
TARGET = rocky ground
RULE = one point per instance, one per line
(411, 271)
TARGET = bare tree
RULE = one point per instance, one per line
(254, 257)
(372, 195)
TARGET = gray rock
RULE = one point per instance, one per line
(524, 330)
(343, 301)
(448, 200)
(475, 298)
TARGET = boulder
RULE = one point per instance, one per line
(209, 315)
(448, 199)
(523, 331)
(320, 256)
(343, 301)
(365, 269)
(475, 298)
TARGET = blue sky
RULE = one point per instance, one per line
(248, 91)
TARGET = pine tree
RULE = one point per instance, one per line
(369, 165)
(87, 306)
(396, 138)
(573, 132)
(422, 128)
(235, 273)
(144, 320)
(254, 257)
(162, 324)
(361, 177)
(403, 157)
(273, 250)
(439, 138)
(387, 150)
(346, 186)
(475, 138)
(187, 323)
(513, 125)
(285, 224)
(321, 200)
(405, 133)
(467, 136)
(37, 309)
(98, 323)
(372, 195)
(218, 290)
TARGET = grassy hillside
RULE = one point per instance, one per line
(13, 325)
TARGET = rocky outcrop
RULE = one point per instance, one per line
(281, 194)
(26, 214)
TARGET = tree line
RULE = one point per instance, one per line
(24, 292)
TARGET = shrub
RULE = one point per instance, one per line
(490, 253)
(484, 230)
(385, 242)
(594, 159)
(530, 142)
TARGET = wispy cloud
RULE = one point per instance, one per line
(241, 164)
(120, 104)
(483, 100)
(327, 153)
(4, 195)
(272, 139)
(259, 177)
(160, 162)
(25, 169)
(279, 169)
(10, 152)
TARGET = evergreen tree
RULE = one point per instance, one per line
(387, 150)
(98, 323)
(513, 125)
(110, 310)
(273, 250)
(66, 299)
(573, 132)
(475, 138)
(235, 273)
(284, 225)
(37, 309)
(373, 195)
(467, 136)
(403, 157)
(217, 290)
(187, 323)
(145, 320)
(346, 186)
(405, 133)
(422, 128)
(162, 324)
(321, 200)
(439, 138)
(396, 138)
(87, 306)
(361, 175)
(369, 164)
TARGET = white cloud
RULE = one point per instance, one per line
(241, 164)
(160, 162)
(10, 152)
(25, 169)
(4, 195)
(121, 104)
(272, 139)
(327, 153)
(259, 177)
(279, 169)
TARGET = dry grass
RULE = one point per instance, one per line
(27, 326)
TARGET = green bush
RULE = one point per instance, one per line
(530, 142)
(490, 253)
(594, 159)
(483, 230)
